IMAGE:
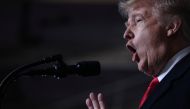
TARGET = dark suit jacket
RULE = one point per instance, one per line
(173, 92)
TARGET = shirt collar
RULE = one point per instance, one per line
(172, 62)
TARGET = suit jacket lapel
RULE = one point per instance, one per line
(179, 69)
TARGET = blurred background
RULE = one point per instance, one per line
(79, 30)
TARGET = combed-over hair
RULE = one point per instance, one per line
(180, 8)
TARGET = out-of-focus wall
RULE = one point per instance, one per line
(79, 30)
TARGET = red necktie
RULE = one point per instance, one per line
(151, 86)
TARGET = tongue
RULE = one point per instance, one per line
(135, 57)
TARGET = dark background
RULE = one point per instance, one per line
(79, 31)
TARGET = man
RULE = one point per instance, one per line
(158, 37)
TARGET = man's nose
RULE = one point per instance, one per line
(128, 35)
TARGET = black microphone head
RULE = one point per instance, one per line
(88, 68)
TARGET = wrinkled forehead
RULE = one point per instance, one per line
(130, 6)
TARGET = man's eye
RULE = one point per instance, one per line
(138, 20)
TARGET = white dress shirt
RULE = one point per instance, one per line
(172, 62)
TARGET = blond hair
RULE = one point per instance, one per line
(179, 8)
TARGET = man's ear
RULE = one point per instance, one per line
(174, 25)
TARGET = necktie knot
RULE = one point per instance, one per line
(151, 86)
(153, 83)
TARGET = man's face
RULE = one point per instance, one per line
(146, 38)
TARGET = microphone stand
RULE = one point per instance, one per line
(54, 70)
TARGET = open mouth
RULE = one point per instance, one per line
(135, 57)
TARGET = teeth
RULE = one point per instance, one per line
(135, 58)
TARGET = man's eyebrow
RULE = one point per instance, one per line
(142, 13)
(138, 14)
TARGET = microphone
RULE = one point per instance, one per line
(59, 70)
(54, 66)
(83, 68)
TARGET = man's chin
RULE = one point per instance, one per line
(145, 71)
(141, 67)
